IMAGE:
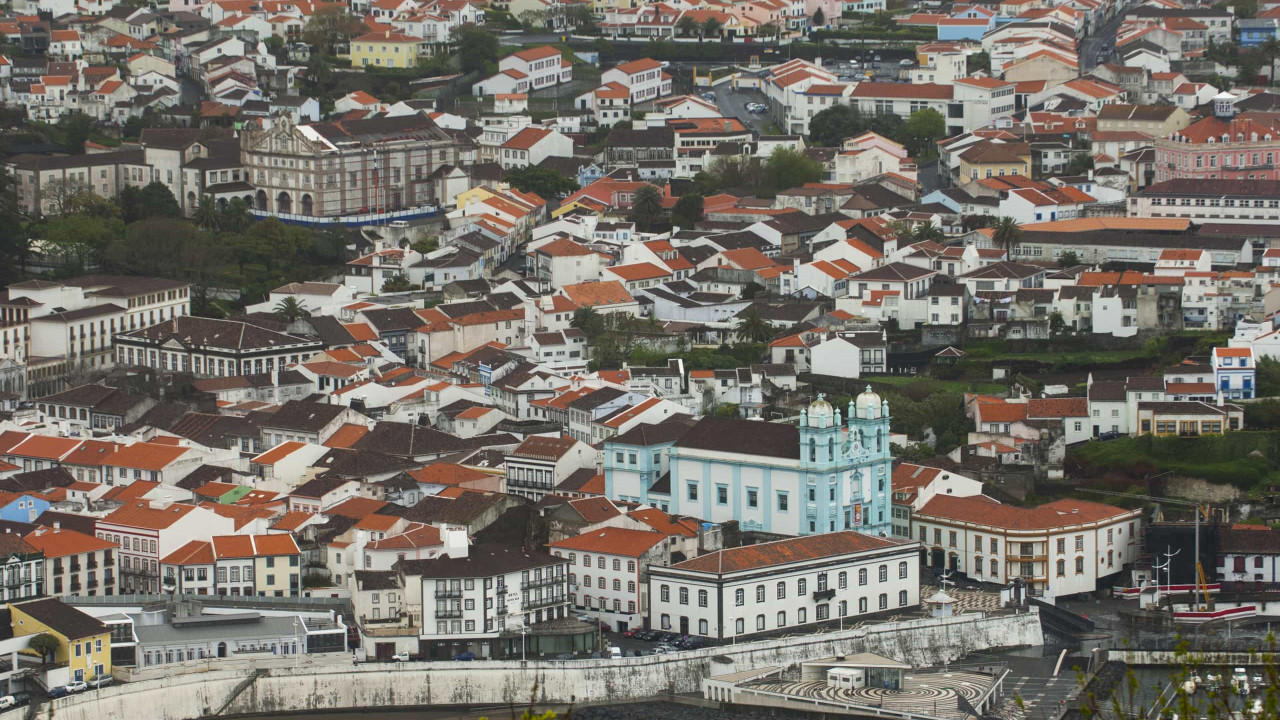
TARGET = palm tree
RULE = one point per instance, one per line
(1271, 48)
(235, 216)
(1007, 236)
(687, 26)
(207, 215)
(751, 327)
(927, 232)
(647, 208)
(711, 28)
(290, 309)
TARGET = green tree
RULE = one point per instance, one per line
(1270, 50)
(1080, 164)
(44, 645)
(235, 217)
(14, 241)
(924, 128)
(927, 232)
(1268, 373)
(65, 196)
(687, 211)
(74, 129)
(646, 210)
(290, 309)
(1068, 259)
(590, 322)
(788, 168)
(819, 18)
(80, 240)
(768, 30)
(828, 128)
(207, 215)
(726, 410)
(728, 172)
(1008, 236)
(274, 43)
(425, 245)
(752, 327)
(398, 283)
(686, 26)
(543, 182)
(711, 28)
(477, 47)
(152, 200)
(329, 26)
(1056, 323)
(978, 62)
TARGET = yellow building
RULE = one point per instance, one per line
(386, 49)
(84, 642)
(986, 159)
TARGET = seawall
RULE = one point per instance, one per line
(418, 684)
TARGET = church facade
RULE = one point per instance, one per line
(830, 472)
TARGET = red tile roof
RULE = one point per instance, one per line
(612, 541)
(981, 510)
(783, 552)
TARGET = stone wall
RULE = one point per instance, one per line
(323, 686)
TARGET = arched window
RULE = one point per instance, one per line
(862, 576)
(878, 439)
(664, 591)
(884, 573)
(831, 449)
(813, 450)
(844, 579)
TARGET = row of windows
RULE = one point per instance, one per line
(821, 612)
(780, 588)
(600, 583)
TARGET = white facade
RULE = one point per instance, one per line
(842, 575)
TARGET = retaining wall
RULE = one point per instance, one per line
(1193, 658)
(415, 684)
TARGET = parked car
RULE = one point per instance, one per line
(102, 680)
(633, 633)
(58, 691)
(401, 657)
(7, 702)
(1109, 435)
(21, 698)
(566, 656)
(76, 686)
(615, 652)
(466, 656)
(663, 649)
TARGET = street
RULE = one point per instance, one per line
(1092, 44)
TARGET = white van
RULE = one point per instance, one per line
(615, 651)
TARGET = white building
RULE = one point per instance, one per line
(479, 603)
(1058, 549)
(608, 572)
(784, 585)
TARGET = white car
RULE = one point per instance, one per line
(400, 657)
(76, 686)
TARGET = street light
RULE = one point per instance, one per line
(297, 644)
(523, 630)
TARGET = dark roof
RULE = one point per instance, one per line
(304, 416)
(653, 137)
(895, 271)
(1107, 391)
(576, 480)
(1260, 541)
(319, 487)
(345, 462)
(70, 521)
(377, 580)
(208, 332)
(461, 510)
(37, 480)
(1214, 188)
(331, 331)
(481, 561)
(99, 398)
(62, 618)
(594, 400)
(395, 438)
(204, 475)
(743, 437)
(393, 319)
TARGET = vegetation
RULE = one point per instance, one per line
(329, 26)
(543, 182)
(687, 211)
(1227, 459)
(1268, 377)
(918, 133)
(613, 337)
(44, 645)
(291, 309)
(1008, 236)
(477, 48)
(753, 328)
(978, 62)
(646, 210)
(784, 168)
(1068, 258)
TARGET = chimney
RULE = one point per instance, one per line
(57, 524)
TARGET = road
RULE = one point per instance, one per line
(1104, 36)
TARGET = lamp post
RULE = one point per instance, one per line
(523, 630)
(297, 644)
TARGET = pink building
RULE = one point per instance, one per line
(1243, 148)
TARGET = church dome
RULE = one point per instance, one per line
(868, 405)
(820, 412)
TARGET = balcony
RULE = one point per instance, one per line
(450, 613)
(543, 582)
(91, 584)
(822, 595)
(532, 604)
(449, 593)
